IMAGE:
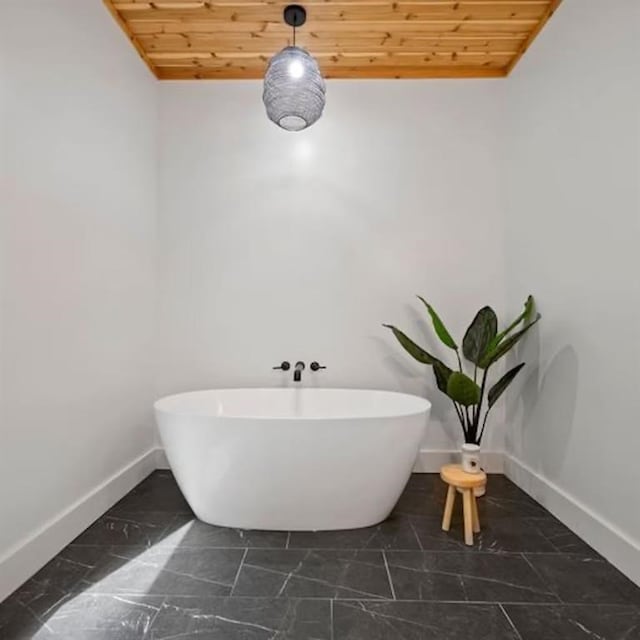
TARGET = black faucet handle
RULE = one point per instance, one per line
(284, 366)
(315, 366)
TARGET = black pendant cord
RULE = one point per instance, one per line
(295, 16)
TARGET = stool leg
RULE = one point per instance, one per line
(474, 512)
(467, 500)
(448, 508)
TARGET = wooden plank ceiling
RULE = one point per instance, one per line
(226, 39)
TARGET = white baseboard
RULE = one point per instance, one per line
(161, 459)
(617, 547)
(430, 461)
(26, 558)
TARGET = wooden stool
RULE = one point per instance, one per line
(456, 478)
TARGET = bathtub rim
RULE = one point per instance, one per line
(426, 408)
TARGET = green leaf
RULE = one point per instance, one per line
(439, 327)
(501, 386)
(505, 346)
(529, 307)
(442, 374)
(411, 347)
(462, 389)
(479, 335)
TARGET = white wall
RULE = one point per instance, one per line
(277, 245)
(572, 233)
(78, 205)
(290, 246)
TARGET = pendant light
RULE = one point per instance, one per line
(294, 90)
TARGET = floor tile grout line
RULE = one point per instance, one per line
(462, 576)
(405, 620)
(166, 531)
(470, 552)
(386, 566)
(510, 621)
(541, 577)
(331, 618)
(373, 600)
(366, 595)
(153, 618)
(415, 534)
(235, 581)
(91, 585)
(44, 622)
(463, 587)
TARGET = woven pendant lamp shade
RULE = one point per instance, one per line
(294, 90)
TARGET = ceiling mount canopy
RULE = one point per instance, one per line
(295, 16)
(294, 90)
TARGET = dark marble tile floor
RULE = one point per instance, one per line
(147, 570)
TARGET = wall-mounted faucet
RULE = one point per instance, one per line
(297, 373)
(299, 368)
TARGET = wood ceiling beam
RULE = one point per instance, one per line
(416, 29)
(181, 39)
(397, 58)
(273, 13)
(130, 35)
(177, 73)
(387, 42)
(551, 9)
(460, 5)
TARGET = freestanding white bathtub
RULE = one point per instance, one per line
(292, 459)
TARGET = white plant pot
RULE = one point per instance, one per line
(471, 464)
(471, 458)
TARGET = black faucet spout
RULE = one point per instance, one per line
(297, 372)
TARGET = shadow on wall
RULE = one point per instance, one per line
(441, 407)
(541, 411)
(419, 381)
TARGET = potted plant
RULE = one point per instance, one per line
(483, 346)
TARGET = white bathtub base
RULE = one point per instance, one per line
(296, 468)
